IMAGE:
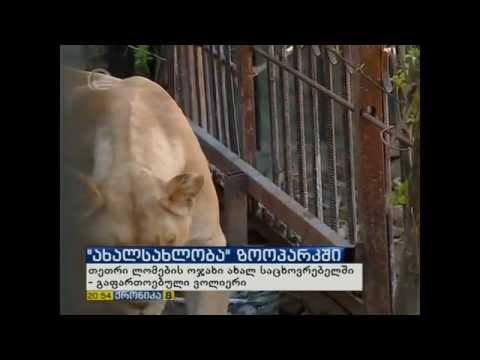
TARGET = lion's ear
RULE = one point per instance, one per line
(184, 187)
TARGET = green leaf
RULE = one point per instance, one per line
(142, 55)
(399, 195)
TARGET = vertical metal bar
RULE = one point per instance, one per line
(216, 98)
(405, 160)
(201, 87)
(192, 77)
(318, 192)
(388, 172)
(223, 82)
(168, 53)
(235, 212)
(183, 67)
(175, 76)
(233, 99)
(161, 67)
(186, 93)
(287, 131)
(208, 90)
(247, 104)
(274, 136)
(158, 75)
(286, 124)
(301, 131)
(371, 187)
(332, 189)
(349, 151)
(405, 174)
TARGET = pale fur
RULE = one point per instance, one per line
(141, 141)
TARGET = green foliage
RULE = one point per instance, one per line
(406, 81)
(400, 79)
(407, 85)
(399, 195)
(142, 56)
(412, 57)
(413, 111)
(409, 72)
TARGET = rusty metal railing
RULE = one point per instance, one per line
(289, 126)
(205, 84)
(296, 103)
(311, 159)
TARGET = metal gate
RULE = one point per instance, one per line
(296, 138)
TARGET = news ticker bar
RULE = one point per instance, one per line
(229, 254)
(224, 277)
(111, 295)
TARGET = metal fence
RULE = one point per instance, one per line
(313, 120)
(302, 137)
